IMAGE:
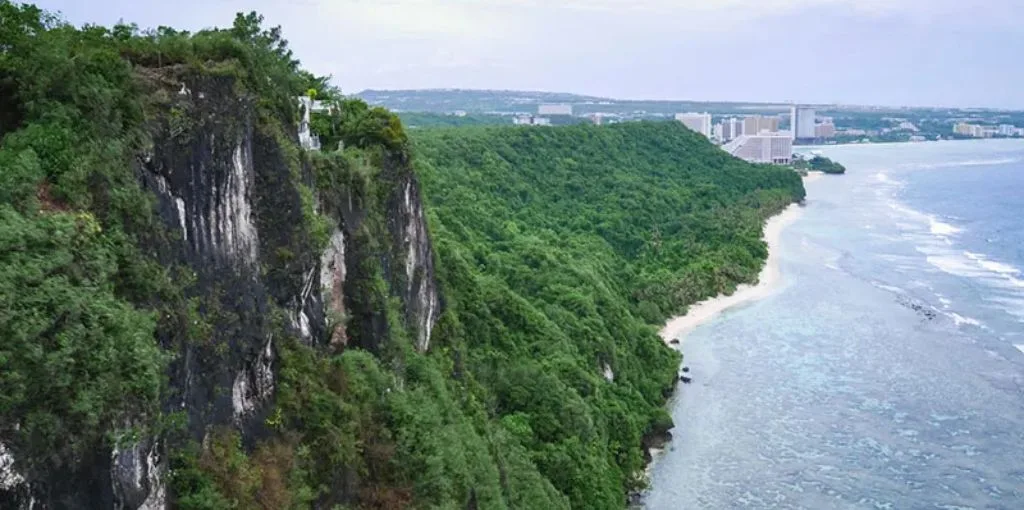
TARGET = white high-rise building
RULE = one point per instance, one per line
(730, 128)
(801, 121)
(718, 132)
(736, 127)
(699, 122)
(754, 124)
(962, 128)
(765, 147)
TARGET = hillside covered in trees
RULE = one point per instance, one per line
(196, 312)
(823, 164)
(676, 219)
(561, 251)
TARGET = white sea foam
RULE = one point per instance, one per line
(969, 162)
(1004, 281)
(889, 288)
(936, 237)
(920, 284)
(954, 265)
(960, 320)
(991, 265)
(935, 226)
(887, 184)
(1012, 306)
(942, 229)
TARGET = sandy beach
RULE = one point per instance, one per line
(698, 313)
(813, 176)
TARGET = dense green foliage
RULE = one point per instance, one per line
(561, 249)
(83, 298)
(823, 164)
(686, 217)
(78, 358)
(352, 123)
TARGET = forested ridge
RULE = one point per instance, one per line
(681, 219)
(197, 313)
(562, 250)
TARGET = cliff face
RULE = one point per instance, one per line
(415, 281)
(207, 162)
(245, 237)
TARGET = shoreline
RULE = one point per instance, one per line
(812, 175)
(677, 328)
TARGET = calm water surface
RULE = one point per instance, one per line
(888, 370)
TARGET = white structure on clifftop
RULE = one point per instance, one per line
(307, 139)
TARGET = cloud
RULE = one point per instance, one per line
(413, 18)
(867, 51)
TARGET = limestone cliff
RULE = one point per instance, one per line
(258, 258)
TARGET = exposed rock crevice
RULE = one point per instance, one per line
(408, 225)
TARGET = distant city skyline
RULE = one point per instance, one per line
(940, 53)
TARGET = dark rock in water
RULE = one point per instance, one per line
(655, 440)
(635, 499)
(686, 370)
(686, 380)
(674, 341)
(927, 312)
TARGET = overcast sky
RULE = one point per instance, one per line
(887, 52)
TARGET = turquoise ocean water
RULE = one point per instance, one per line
(887, 371)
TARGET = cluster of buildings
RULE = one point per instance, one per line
(728, 129)
(765, 147)
(983, 131)
(806, 125)
(544, 114)
(531, 120)
(824, 130)
(758, 138)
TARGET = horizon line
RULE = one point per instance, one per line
(712, 101)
